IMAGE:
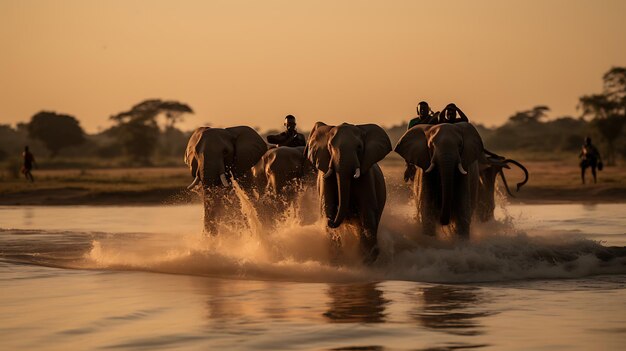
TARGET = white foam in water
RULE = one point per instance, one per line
(300, 252)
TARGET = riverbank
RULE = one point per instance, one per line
(550, 182)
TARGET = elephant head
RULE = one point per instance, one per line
(488, 172)
(213, 154)
(346, 152)
(448, 149)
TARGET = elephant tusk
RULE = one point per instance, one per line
(223, 179)
(328, 173)
(430, 168)
(357, 174)
(194, 183)
(460, 166)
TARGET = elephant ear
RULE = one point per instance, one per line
(376, 145)
(190, 153)
(413, 146)
(473, 149)
(316, 150)
(249, 147)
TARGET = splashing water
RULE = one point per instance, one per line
(297, 250)
(294, 251)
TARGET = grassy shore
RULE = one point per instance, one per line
(550, 182)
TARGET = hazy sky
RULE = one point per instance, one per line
(253, 62)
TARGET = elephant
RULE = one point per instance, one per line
(350, 183)
(215, 157)
(486, 190)
(446, 187)
(284, 165)
(282, 174)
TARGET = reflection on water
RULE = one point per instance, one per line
(451, 309)
(29, 215)
(359, 348)
(222, 304)
(106, 307)
(356, 303)
(589, 206)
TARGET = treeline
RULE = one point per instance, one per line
(537, 137)
(136, 139)
(603, 116)
(147, 133)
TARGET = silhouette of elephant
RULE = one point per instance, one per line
(350, 182)
(281, 169)
(216, 156)
(493, 167)
(447, 184)
(282, 174)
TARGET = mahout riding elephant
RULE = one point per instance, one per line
(350, 182)
(494, 165)
(216, 156)
(447, 184)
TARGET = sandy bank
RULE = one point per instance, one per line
(550, 182)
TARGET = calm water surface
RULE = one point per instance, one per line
(141, 278)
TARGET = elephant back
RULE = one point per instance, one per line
(289, 161)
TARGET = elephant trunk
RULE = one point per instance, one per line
(345, 175)
(213, 174)
(521, 166)
(343, 191)
(447, 168)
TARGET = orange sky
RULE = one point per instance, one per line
(253, 62)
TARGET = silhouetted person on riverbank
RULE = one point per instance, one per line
(29, 162)
(290, 137)
(590, 157)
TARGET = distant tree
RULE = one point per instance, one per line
(173, 142)
(148, 110)
(56, 131)
(536, 114)
(137, 128)
(608, 109)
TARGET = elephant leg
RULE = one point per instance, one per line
(429, 220)
(328, 196)
(278, 205)
(369, 194)
(368, 236)
(425, 190)
(462, 213)
(328, 207)
(334, 248)
(210, 223)
(462, 224)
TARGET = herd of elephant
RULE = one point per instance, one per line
(455, 181)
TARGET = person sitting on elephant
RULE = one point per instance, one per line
(449, 114)
(590, 157)
(290, 137)
(424, 116)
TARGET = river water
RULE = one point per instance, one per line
(547, 277)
